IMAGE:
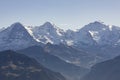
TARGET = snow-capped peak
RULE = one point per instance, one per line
(98, 33)
(49, 26)
(95, 26)
(48, 33)
(15, 37)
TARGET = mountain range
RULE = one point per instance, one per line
(96, 33)
(71, 53)
(96, 39)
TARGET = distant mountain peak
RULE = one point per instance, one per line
(17, 24)
(15, 36)
(48, 32)
(98, 22)
(48, 25)
(95, 26)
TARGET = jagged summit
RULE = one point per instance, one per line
(48, 24)
(98, 22)
(48, 33)
(14, 37)
(97, 25)
(17, 24)
(98, 33)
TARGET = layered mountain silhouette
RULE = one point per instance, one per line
(97, 41)
(14, 66)
(54, 63)
(70, 54)
(62, 51)
(108, 70)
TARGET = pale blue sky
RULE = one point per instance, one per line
(65, 14)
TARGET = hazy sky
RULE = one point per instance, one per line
(65, 14)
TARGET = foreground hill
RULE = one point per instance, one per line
(108, 70)
(14, 66)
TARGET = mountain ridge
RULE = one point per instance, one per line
(107, 70)
(95, 38)
(48, 32)
(15, 66)
(54, 63)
